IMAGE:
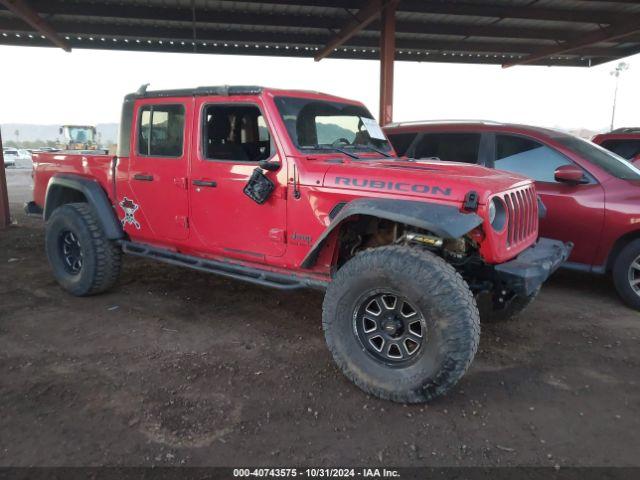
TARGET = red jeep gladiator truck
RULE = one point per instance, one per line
(293, 189)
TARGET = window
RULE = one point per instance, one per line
(606, 160)
(625, 148)
(235, 132)
(401, 141)
(161, 130)
(320, 125)
(528, 157)
(449, 147)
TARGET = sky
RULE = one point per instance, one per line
(50, 86)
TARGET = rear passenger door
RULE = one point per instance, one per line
(449, 147)
(575, 213)
(156, 205)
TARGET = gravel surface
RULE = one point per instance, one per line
(177, 367)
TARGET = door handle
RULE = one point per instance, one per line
(143, 177)
(205, 183)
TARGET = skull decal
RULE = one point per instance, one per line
(130, 208)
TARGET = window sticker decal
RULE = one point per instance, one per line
(373, 128)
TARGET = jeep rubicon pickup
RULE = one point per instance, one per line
(293, 189)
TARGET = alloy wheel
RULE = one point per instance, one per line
(72, 255)
(390, 328)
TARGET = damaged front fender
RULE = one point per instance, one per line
(445, 221)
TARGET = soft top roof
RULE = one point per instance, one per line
(230, 90)
(223, 90)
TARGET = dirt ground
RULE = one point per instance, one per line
(177, 367)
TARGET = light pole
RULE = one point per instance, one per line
(621, 67)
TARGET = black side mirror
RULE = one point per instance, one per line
(269, 166)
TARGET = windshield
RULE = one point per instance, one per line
(81, 134)
(608, 161)
(322, 125)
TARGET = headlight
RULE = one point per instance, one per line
(492, 211)
(497, 214)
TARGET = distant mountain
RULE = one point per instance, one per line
(329, 132)
(108, 132)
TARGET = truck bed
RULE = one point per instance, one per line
(95, 167)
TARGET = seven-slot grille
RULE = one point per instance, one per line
(522, 215)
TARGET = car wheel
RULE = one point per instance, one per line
(84, 261)
(626, 274)
(401, 323)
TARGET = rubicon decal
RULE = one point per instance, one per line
(392, 186)
(130, 208)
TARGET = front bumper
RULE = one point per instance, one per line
(528, 271)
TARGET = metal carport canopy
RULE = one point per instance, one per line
(505, 32)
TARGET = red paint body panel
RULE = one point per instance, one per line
(223, 223)
(593, 216)
(45, 165)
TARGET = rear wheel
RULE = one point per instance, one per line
(401, 323)
(626, 274)
(83, 260)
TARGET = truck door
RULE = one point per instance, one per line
(232, 138)
(157, 174)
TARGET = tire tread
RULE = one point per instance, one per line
(457, 302)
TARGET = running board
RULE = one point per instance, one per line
(226, 269)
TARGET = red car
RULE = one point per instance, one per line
(289, 190)
(592, 195)
(622, 141)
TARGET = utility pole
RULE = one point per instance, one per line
(621, 67)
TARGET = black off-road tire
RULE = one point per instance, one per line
(101, 257)
(443, 299)
(488, 314)
(621, 271)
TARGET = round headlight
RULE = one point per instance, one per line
(492, 211)
(497, 214)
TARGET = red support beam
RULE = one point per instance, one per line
(387, 59)
(22, 9)
(5, 219)
(360, 20)
(608, 34)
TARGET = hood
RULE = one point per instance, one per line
(448, 181)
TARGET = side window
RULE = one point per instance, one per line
(235, 133)
(625, 148)
(449, 147)
(401, 141)
(161, 130)
(527, 157)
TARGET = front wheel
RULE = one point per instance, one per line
(401, 323)
(626, 274)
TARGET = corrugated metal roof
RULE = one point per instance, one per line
(470, 31)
